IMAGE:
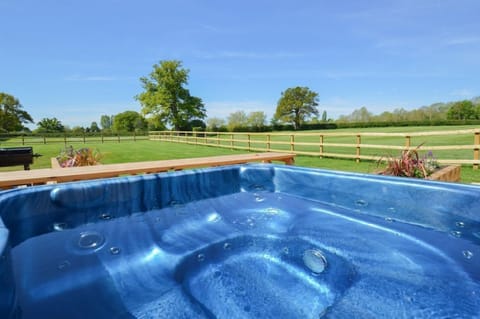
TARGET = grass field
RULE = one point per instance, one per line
(144, 150)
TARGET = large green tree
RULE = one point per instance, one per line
(50, 125)
(106, 121)
(462, 110)
(296, 105)
(12, 114)
(129, 121)
(166, 95)
(257, 119)
(236, 120)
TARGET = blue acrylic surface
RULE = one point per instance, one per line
(250, 241)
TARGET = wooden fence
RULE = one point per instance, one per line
(449, 147)
(31, 139)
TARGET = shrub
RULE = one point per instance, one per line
(410, 164)
(70, 157)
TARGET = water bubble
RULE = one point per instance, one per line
(456, 233)
(60, 226)
(467, 254)
(200, 257)
(314, 260)
(106, 216)
(361, 203)
(259, 198)
(460, 224)
(64, 264)
(227, 246)
(391, 210)
(389, 219)
(258, 187)
(285, 250)
(90, 240)
(214, 218)
(114, 250)
(476, 234)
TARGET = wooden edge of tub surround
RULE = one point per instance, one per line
(59, 175)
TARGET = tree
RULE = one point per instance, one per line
(129, 121)
(106, 122)
(237, 119)
(77, 130)
(12, 115)
(463, 110)
(166, 96)
(257, 119)
(324, 116)
(94, 127)
(50, 125)
(296, 105)
(155, 123)
(215, 123)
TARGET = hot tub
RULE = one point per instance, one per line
(248, 241)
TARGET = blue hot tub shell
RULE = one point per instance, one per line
(241, 241)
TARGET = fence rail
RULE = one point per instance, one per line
(451, 147)
(30, 139)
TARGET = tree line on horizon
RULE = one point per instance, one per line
(167, 103)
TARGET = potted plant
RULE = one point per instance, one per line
(411, 164)
(70, 157)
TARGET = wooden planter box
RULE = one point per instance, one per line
(54, 163)
(449, 173)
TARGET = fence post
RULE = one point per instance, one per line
(23, 139)
(476, 141)
(65, 139)
(248, 138)
(321, 146)
(357, 153)
(292, 143)
(118, 137)
(44, 139)
(231, 141)
(83, 137)
(102, 137)
(407, 142)
(268, 142)
(134, 137)
(218, 139)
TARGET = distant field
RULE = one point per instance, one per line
(144, 150)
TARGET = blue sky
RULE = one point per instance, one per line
(77, 60)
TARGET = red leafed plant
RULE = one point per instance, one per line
(81, 157)
(410, 164)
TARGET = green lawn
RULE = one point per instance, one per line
(144, 150)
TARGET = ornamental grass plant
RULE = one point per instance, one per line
(70, 157)
(410, 164)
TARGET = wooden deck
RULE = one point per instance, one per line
(59, 175)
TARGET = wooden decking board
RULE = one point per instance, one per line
(42, 176)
